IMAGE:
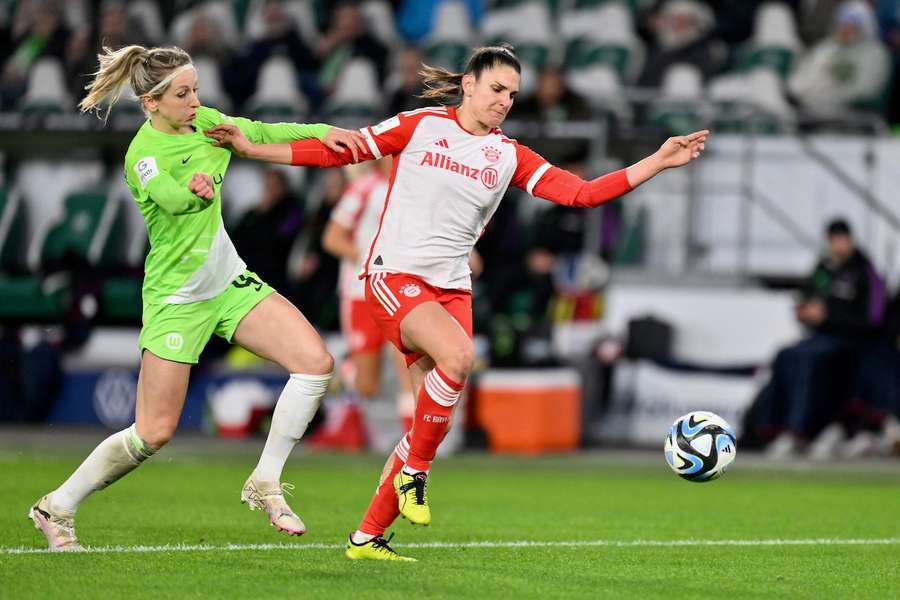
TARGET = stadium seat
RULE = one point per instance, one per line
(379, 17)
(678, 109)
(12, 231)
(44, 185)
(146, 12)
(356, 92)
(209, 82)
(277, 92)
(528, 27)
(775, 43)
(450, 40)
(301, 12)
(601, 86)
(87, 230)
(750, 103)
(46, 89)
(220, 11)
(603, 35)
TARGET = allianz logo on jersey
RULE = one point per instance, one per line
(489, 177)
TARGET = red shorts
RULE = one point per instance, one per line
(391, 296)
(359, 328)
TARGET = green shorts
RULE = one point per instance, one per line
(179, 332)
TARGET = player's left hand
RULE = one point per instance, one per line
(229, 136)
(340, 140)
(682, 149)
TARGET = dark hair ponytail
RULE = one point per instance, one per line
(444, 85)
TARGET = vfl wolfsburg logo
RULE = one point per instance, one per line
(174, 341)
(114, 397)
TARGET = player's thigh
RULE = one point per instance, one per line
(368, 372)
(276, 330)
(161, 390)
(431, 330)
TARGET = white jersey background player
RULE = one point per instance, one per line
(452, 166)
(348, 236)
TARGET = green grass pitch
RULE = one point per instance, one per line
(603, 525)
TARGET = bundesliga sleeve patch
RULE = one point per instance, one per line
(386, 125)
(146, 170)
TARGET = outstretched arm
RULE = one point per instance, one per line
(340, 147)
(543, 180)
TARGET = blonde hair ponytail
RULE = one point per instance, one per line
(143, 68)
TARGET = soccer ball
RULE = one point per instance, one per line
(700, 446)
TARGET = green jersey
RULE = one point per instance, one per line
(191, 256)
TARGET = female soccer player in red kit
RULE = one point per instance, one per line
(452, 165)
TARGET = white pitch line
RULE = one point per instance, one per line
(476, 544)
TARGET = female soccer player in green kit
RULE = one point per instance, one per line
(195, 284)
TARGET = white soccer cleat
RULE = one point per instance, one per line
(57, 526)
(268, 496)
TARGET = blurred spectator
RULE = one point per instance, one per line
(315, 273)
(849, 69)
(38, 31)
(683, 33)
(842, 305)
(205, 39)
(734, 19)
(815, 19)
(406, 83)
(345, 38)
(553, 102)
(280, 38)
(265, 234)
(115, 29)
(415, 18)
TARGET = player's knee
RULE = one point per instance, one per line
(159, 433)
(459, 362)
(319, 363)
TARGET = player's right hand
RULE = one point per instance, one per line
(229, 136)
(201, 184)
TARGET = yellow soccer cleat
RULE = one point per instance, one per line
(375, 549)
(412, 497)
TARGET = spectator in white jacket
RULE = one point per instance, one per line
(848, 69)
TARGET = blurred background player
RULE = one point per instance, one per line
(348, 236)
(453, 166)
(195, 285)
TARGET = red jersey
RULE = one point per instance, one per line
(445, 185)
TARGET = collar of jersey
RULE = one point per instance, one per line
(452, 111)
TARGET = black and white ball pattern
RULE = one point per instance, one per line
(700, 446)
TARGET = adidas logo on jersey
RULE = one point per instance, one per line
(442, 143)
(410, 290)
(442, 161)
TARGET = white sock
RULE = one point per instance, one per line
(360, 537)
(113, 458)
(410, 471)
(295, 409)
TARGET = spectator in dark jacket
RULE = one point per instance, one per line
(842, 306)
(266, 233)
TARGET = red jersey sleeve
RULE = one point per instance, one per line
(542, 180)
(388, 137)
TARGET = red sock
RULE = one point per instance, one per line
(434, 409)
(383, 509)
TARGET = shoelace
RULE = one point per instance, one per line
(380, 544)
(418, 487)
(65, 525)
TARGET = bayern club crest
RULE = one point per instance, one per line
(491, 153)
